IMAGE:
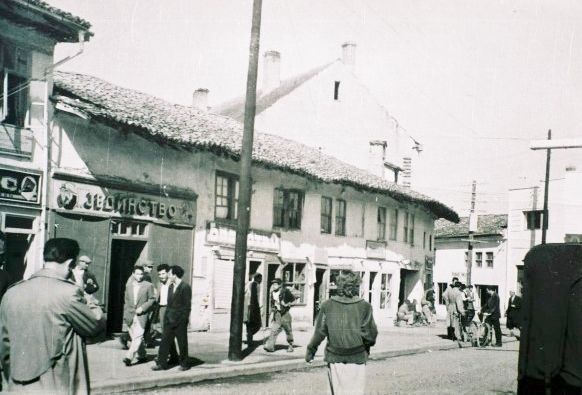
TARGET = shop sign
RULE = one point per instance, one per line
(19, 186)
(225, 235)
(93, 199)
(375, 249)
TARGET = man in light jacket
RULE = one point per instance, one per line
(348, 324)
(449, 298)
(45, 353)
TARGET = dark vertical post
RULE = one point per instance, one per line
(546, 190)
(472, 217)
(244, 202)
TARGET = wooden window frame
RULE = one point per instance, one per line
(340, 217)
(405, 227)
(489, 258)
(286, 212)
(393, 231)
(381, 222)
(295, 285)
(232, 186)
(479, 258)
(326, 217)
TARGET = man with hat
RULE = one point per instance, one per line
(281, 299)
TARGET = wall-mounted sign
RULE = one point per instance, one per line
(375, 249)
(219, 234)
(92, 199)
(19, 186)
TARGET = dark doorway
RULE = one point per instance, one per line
(319, 292)
(253, 268)
(16, 247)
(403, 292)
(483, 294)
(124, 255)
(271, 274)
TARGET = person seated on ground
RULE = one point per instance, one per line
(427, 303)
(405, 313)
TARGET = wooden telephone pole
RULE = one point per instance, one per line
(472, 229)
(244, 202)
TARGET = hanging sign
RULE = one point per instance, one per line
(19, 186)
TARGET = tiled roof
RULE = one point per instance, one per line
(58, 12)
(236, 108)
(490, 224)
(189, 128)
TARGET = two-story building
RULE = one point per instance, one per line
(137, 177)
(29, 31)
(489, 257)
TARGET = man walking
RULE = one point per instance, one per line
(252, 312)
(139, 299)
(176, 320)
(450, 297)
(492, 314)
(281, 299)
(513, 312)
(45, 352)
(348, 324)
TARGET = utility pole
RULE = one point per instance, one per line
(546, 190)
(472, 229)
(244, 202)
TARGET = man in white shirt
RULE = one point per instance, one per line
(163, 288)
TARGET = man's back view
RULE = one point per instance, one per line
(43, 321)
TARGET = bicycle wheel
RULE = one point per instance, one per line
(483, 337)
(472, 331)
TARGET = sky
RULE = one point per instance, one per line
(473, 81)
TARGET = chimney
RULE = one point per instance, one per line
(376, 157)
(200, 99)
(349, 55)
(271, 71)
(406, 172)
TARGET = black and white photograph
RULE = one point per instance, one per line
(343, 197)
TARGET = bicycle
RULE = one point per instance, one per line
(477, 334)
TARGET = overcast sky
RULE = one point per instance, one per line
(473, 81)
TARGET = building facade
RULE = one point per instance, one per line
(29, 32)
(489, 257)
(135, 177)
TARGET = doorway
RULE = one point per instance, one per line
(404, 291)
(271, 275)
(17, 245)
(320, 290)
(124, 255)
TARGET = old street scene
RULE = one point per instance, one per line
(308, 197)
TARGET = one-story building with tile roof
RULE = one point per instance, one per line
(135, 177)
(489, 257)
(29, 31)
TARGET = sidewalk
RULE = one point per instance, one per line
(209, 352)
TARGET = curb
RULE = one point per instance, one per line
(235, 369)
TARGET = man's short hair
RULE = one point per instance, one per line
(455, 279)
(137, 267)
(177, 270)
(276, 281)
(348, 283)
(163, 266)
(257, 276)
(60, 250)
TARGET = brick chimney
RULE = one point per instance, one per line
(377, 157)
(271, 71)
(349, 55)
(200, 99)
(406, 172)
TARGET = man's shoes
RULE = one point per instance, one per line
(183, 368)
(498, 345)
(173, 361)
(290, 348)
(127, 361)
(158, 367)
(142, 360)
(268, 349)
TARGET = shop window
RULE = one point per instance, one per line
(129, 229)
(18, 224)
(411, 230)
(340, 217)
(479, 259)
(489, 259)
(533, 219)
(405, 227)
(294, 275)
(385, 293)
(14, 84)
(326, 208)
(394, 224)
(371, 281)
(442, 289)
(287, 204)
(226, 197)
(381, 223)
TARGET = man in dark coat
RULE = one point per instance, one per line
(176, 320)
(513, 311)
(45, 353)
(252, 312)
(492, 314)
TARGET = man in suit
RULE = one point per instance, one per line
(513, 311)
(492, 314)
(45, 353)
(176, 320)
(450, 297)
(139, 300)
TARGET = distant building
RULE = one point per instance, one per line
(135, 177)
(526, 214)
(29, 31)
(330, 109)
(489, 256)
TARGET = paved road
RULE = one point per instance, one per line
(465, 371)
